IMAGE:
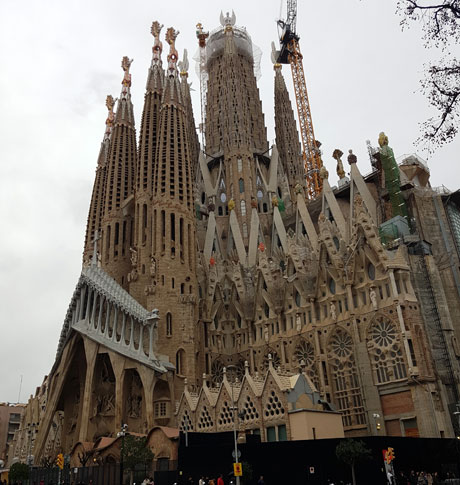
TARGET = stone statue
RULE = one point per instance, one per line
(352, 158)
(298, 322)
(337, 156)
(323, 173)
(266, 333)
(238, 342)
(373, 297)
(333, 311)
(153, 267)
(133, 257)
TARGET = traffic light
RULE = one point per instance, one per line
(390, 454)
(60, 461)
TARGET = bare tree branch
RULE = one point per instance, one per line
(441, 28)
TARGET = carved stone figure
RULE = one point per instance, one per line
(298, 322)
(333, 311)
(373, 297)
(337, 156)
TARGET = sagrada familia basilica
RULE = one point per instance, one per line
(210, 275)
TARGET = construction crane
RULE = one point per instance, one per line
(290, 54)
(201, 35)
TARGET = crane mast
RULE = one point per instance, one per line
(290, 54)
(201, 35)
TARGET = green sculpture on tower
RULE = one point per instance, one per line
(392, 181)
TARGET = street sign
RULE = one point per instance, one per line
(239, 454)
(237, 469)
(312, 470)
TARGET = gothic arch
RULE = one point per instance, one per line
(70, 403)
(102, 409)
(134, 407)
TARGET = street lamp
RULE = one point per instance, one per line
(121, 434)
(233, 367)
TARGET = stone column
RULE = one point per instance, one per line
(91, 354)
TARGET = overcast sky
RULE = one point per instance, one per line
(59, 60)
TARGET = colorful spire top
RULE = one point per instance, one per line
(110, 103)
(126, 83)
(171, 36)
(157, 48)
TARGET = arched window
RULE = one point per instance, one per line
(180, 362)
(168, 324)
(347, 390)
(385, 351)
(243, 208)
(240, 164)
(241, 185)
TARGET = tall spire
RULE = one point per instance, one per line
(141, 282)
(173, 268)
(287, 138)
(117, 227)
(187, 100)
(96, 209)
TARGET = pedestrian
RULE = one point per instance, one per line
(220, 480)
(201, 481)
(261, 480)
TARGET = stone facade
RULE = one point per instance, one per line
(211, 263)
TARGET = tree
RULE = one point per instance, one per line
(18, 472)
(135, 452)
(441, 84)
(84, 457)
(351, 452)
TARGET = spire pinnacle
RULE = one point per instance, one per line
(110, 103)
(171, 36)
(126, 82)
(184, 65)
(157, 48)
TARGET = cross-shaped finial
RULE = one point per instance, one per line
(94, 241)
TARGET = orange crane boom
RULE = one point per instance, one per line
(290, 54)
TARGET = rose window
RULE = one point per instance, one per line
(341, 344)
(383, 333)
(276, 361)
(305, 351)
(217, 372)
